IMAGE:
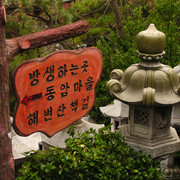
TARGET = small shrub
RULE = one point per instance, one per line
(177, 158)
(91, 155)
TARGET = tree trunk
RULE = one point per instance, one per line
(6, 157)
(118, 19)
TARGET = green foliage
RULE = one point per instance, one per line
(177, 154)
(165, 15)
(91, 155)
(99, 16)
(44, 13)
(177, 158)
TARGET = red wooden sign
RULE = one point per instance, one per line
(55, 91)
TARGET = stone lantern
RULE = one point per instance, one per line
(150, 89)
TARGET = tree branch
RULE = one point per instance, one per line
(43, 10)
(39, 39)
(96, 10)
(118, 18)
(39, 18)
(108, 2)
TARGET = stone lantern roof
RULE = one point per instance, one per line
(148, 83)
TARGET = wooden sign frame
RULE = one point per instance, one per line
(89, 62)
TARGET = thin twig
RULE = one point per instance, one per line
(38, 17)
(43, 11)
(108, 3)
(87, 14)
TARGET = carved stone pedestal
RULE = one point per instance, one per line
(170, 169)
(156, 147)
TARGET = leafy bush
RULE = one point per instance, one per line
(165, 15)
(91, 155)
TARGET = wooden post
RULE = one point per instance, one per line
(6, 158)
(9, 49)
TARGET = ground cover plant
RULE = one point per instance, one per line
(90, 155)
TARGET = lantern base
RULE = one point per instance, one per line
(155, 147)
